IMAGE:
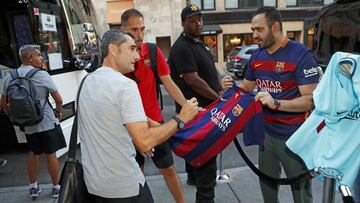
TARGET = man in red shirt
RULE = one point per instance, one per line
(132, 21)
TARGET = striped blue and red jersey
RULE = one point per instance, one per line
(281, 73)
(214, 129)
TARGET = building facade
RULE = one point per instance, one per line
(226, 22)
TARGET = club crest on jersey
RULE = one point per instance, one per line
(280, 66)
(147, 62)
(236, 111)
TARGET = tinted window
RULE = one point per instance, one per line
(338, 30)
(250, 51)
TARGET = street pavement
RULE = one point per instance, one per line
(244, 186)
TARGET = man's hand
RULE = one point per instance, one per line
(58, 115)
(266, 99)
(149, 153)
(189, 110)
(226, 82)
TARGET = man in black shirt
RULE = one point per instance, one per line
(193, 70)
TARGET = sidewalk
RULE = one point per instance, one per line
(243, 188)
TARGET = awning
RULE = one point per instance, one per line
(211, 30)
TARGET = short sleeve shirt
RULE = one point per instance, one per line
(147, 82)
(44, 85)
(280, 74)
(108, 101)
(189, 56)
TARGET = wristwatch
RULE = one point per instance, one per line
(181, 124)
(277, 104)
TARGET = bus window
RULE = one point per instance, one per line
(51, 34)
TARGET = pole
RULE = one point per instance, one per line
(222, 177)
(330, 176)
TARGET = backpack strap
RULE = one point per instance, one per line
(14, 73)
(32, 72)
(152, 50)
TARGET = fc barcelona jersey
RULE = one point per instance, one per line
(280, 74)
(214, 129)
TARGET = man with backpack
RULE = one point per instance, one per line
(132, 21)
(25, 100)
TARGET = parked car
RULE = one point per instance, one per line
(237, 60)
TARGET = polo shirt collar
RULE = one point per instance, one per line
(196, 41)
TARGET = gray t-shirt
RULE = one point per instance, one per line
(44, 85)
(108, 101)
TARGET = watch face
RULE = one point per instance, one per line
(181, 125)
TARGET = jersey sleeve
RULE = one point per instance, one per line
(129, 104)
(184, 60)
(306, 71)
(162, 66)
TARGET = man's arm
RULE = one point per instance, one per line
(2, 104)
(58, 101)
(173, 89)
(199, 85)
(146, 137)
(300, 104)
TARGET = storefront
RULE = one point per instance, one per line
(210, 38)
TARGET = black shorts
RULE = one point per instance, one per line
(144, 196)
(47, 142)
(162, 156)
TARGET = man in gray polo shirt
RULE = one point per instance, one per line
(46, 136)
(112, 120)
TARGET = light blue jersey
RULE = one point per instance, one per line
(330, 137)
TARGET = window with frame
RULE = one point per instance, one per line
(204, 4)
(239, 4)
(293, 3)
(51, 34)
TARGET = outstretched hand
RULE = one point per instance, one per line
(189, 110)
(227, 82)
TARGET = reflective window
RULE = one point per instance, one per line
(51, 35)
(231, 4)
(204, 4)
(240, 4)
(307, 2)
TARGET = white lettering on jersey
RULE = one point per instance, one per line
(269, 86)
(220, 119)
(310, 72)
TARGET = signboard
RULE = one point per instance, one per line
(48, 22)
(55, 61)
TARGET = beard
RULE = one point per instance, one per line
(268, 41)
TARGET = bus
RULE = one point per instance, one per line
(65, 31)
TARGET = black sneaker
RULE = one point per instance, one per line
(55, 192)
(34, 192)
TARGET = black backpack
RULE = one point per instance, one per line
(152, 49)
(22, 104)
